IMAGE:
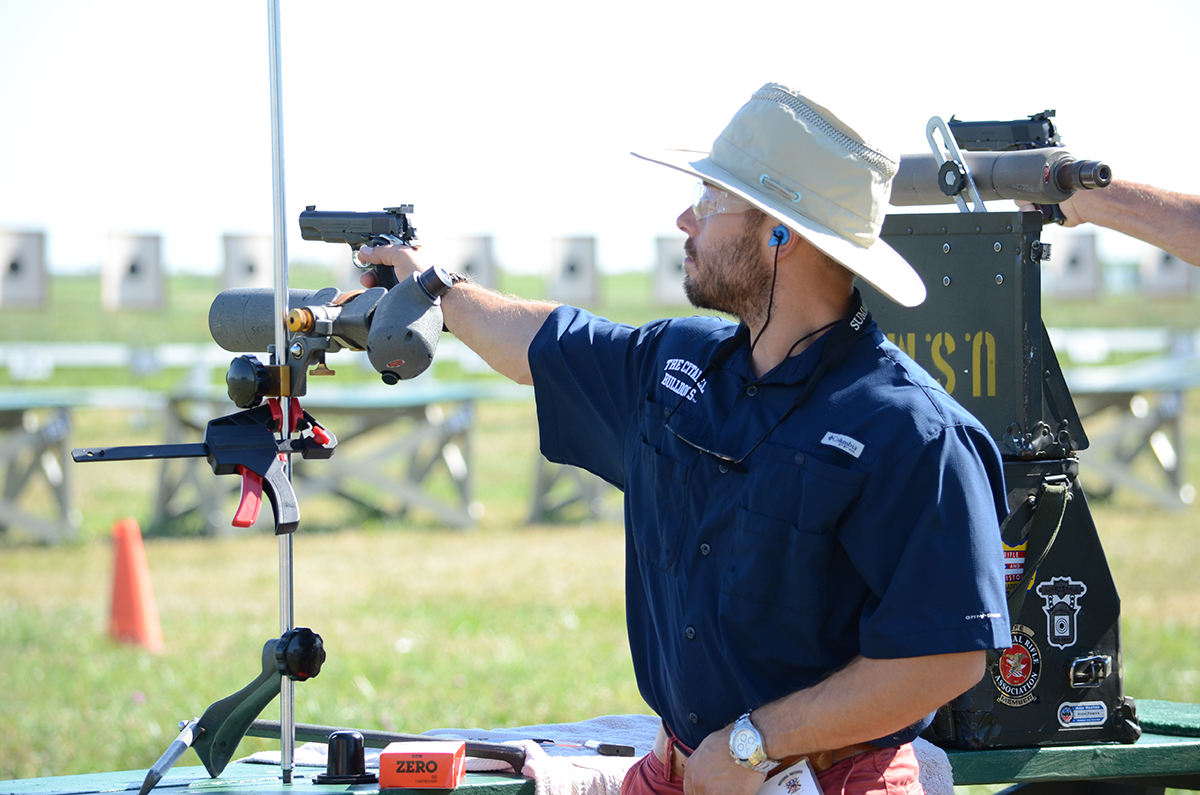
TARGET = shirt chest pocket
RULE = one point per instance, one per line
(784, 539)
(656, 505)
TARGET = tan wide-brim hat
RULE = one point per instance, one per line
(800, 164)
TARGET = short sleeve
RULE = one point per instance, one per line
(926, 539)
(585, 377)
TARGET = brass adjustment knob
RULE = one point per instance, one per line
(301, 320)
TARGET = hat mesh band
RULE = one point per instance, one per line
(880, 163)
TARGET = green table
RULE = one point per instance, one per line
(243, 778)
(1167, 755)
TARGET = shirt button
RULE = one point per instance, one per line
(724, 470)
(690, 633)
(705, 549)
(693, 717)
(799, 458)
(752, 390)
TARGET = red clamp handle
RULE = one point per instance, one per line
(251, 501)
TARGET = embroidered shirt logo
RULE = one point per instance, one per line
(690, 371)
(844, 443)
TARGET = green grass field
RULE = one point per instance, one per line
(506, 624)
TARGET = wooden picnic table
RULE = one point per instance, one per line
(35, 436)
(1148, 397)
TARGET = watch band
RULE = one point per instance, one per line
(746, 746)
(455, 280)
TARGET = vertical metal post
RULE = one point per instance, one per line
(287, 693)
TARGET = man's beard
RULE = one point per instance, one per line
(732, 278)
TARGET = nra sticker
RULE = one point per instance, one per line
(1082, 714)
(1020, 666)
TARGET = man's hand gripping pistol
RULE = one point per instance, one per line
(388, 228)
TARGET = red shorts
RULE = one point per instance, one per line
(888, 771)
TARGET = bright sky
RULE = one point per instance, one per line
(516, 119)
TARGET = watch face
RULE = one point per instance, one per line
(743, 743)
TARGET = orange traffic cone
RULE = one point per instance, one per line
(134, 616)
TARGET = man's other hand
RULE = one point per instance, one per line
(712, 771)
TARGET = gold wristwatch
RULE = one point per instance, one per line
(746, 746)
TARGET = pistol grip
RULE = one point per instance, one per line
(1051, 213)
(385, 276)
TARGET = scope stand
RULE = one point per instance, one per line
(244, 444)
(298, 655)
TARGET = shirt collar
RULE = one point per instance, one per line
(792, 370)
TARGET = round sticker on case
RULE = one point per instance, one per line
(1019, 668)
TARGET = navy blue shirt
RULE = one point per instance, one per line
(866, 524)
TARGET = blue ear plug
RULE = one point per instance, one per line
(780, 235)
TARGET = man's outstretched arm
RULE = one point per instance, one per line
(498, 327)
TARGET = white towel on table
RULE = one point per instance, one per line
(569, 769)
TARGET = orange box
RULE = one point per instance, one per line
(438, 764)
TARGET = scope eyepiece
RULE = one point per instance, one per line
(1098, 175)
(435, 282)
(1083, 175)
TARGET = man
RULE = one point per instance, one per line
(1162, 218)
(813, 555)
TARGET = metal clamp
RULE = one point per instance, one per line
(953, 172)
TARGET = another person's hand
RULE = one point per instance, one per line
(403, 259)
(1068, 209)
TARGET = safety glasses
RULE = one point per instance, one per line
(710, 200)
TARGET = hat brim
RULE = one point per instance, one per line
(879, 265)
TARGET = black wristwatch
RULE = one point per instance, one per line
(455, 280)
